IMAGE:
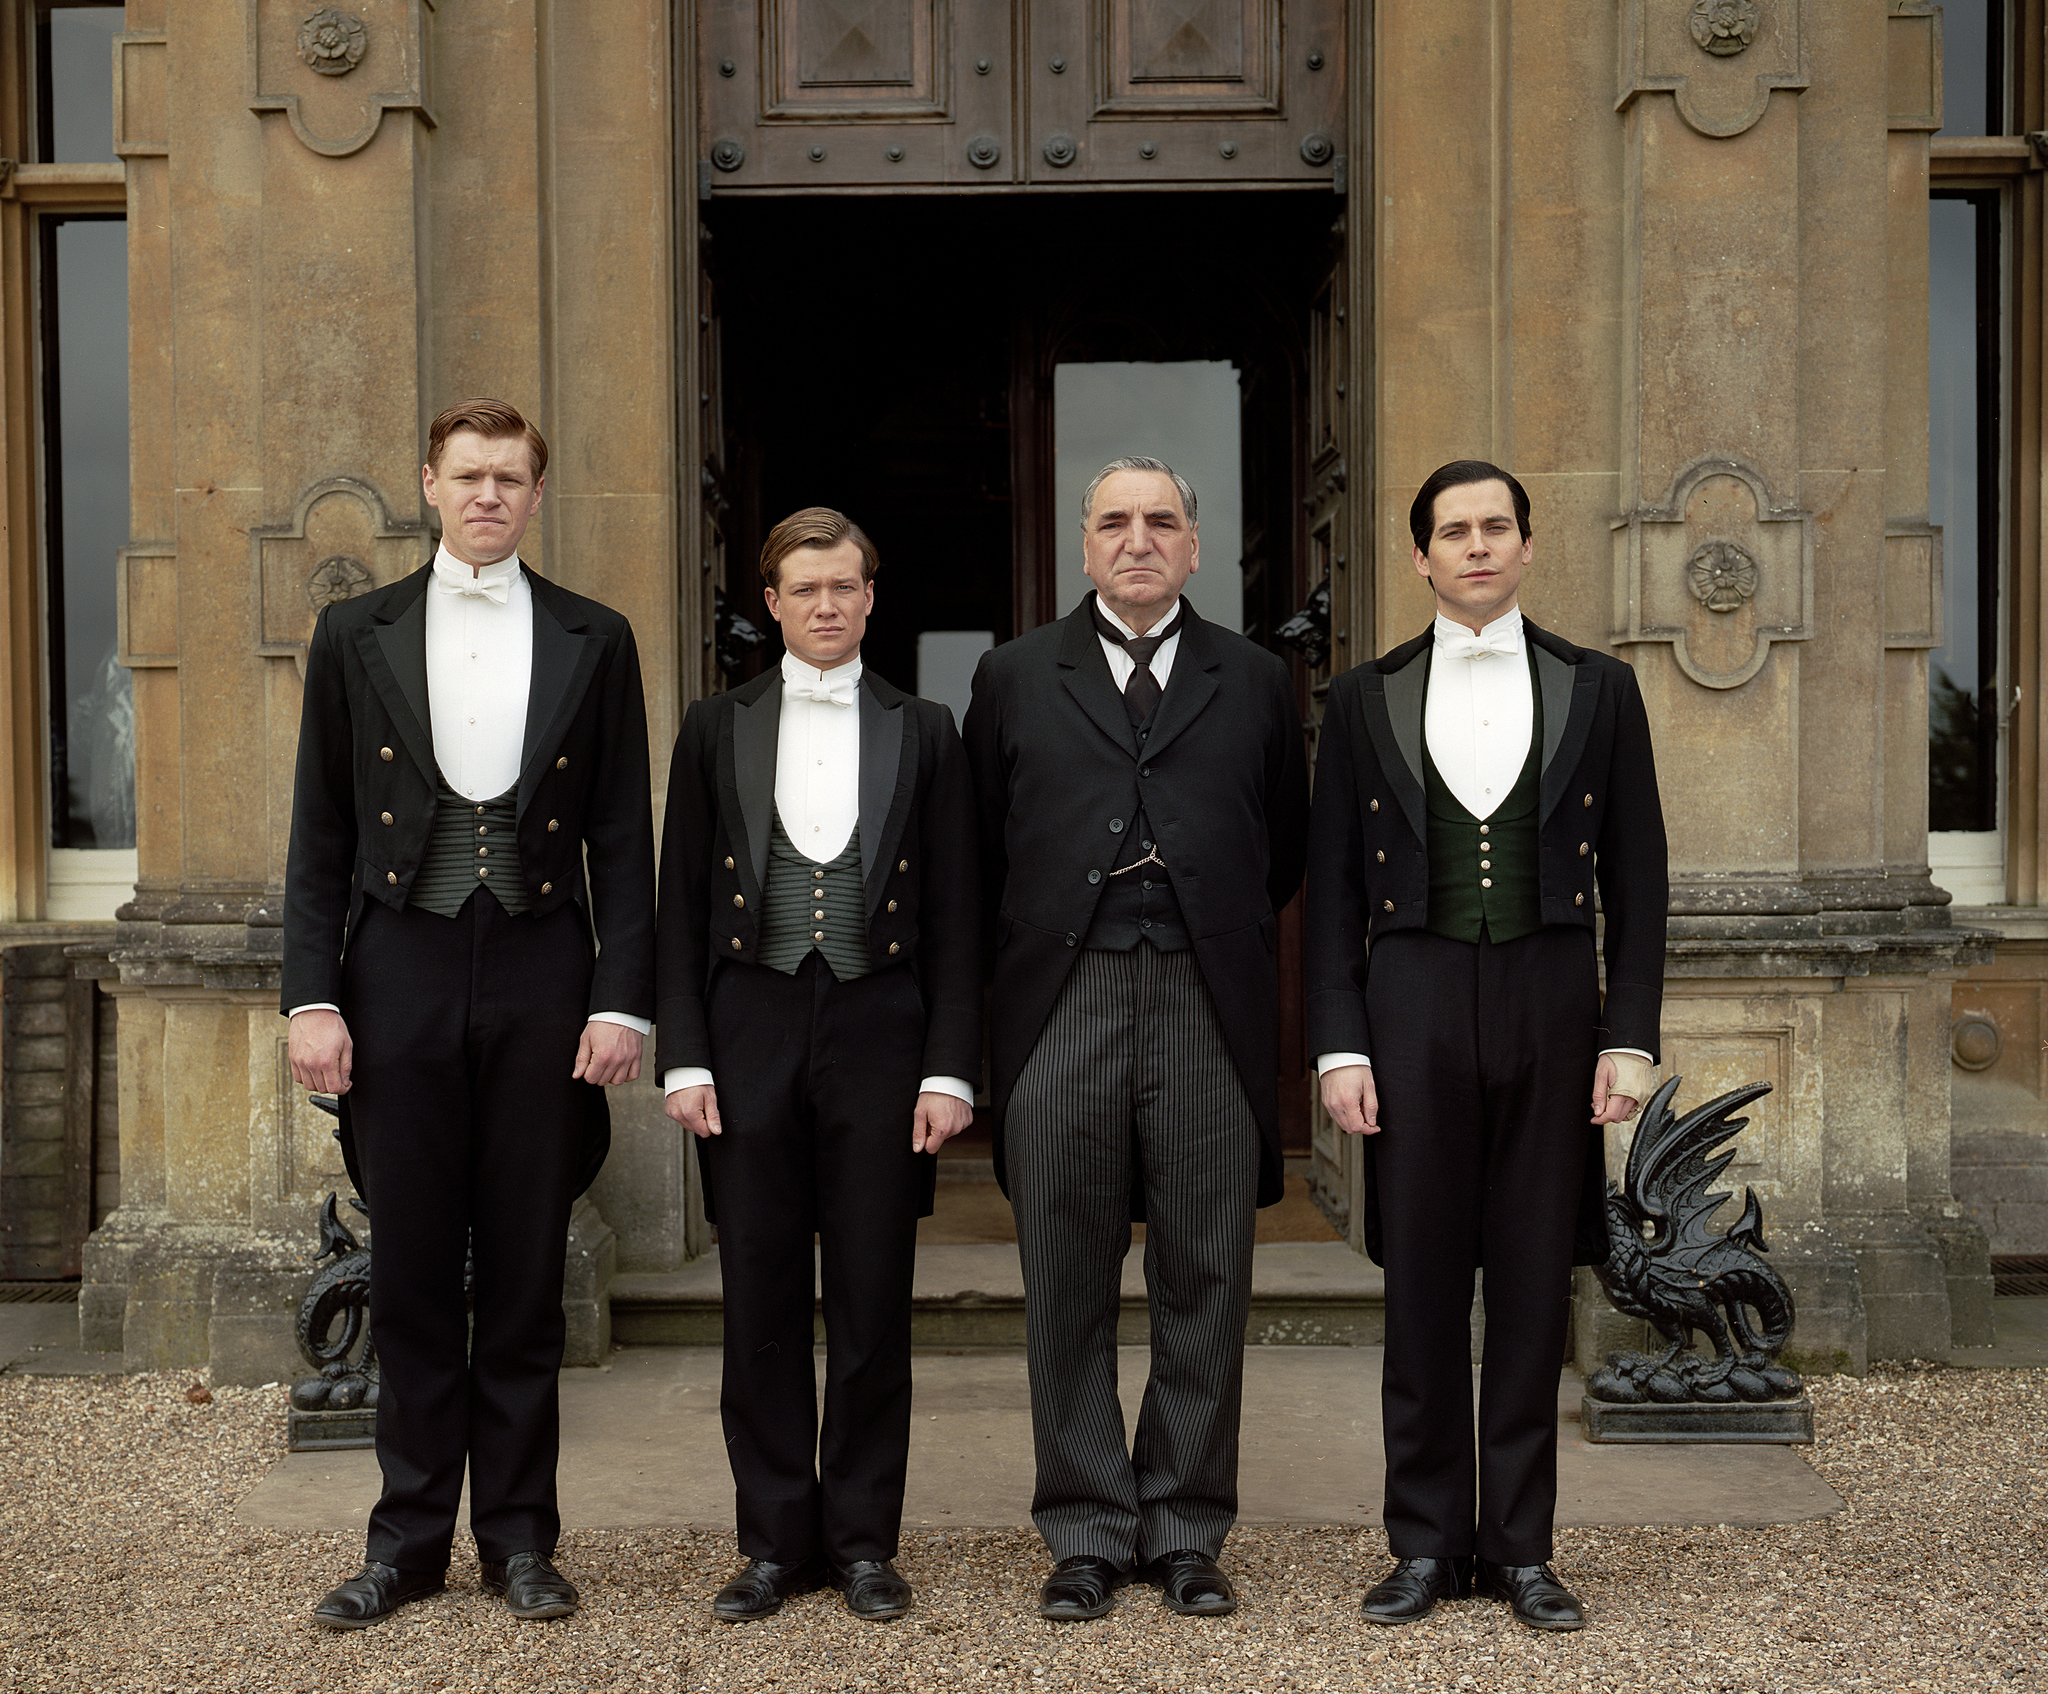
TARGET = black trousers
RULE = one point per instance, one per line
(817, 1087)
(1483, 1057)
(1132, 1083)
(469, 1131)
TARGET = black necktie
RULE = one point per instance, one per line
(1142, 691)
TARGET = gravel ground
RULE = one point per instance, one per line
(122, 1566)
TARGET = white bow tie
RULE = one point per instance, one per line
(494, 589)
(835, 688)
(1478, 646)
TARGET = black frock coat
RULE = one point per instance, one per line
(1058, 775)
(1600, 827)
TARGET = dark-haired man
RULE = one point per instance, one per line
(819, 1013)
(1142, 786)
(1473, 788)
(471, 738)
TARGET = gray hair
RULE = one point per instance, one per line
(1138, 462)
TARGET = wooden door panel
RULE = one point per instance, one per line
(1181, 55)
(854, 58)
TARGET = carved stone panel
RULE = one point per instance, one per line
(1720, 59)
(335, 73)
(340, 541)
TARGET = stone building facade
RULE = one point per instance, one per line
(1668, 259)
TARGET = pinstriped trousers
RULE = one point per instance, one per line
(1132, 1084)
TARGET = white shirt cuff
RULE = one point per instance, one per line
(1636, 1051)
(947, 1085)
(625, 1020)
(313, 1006)
(684, 1076)
(1326, 1062)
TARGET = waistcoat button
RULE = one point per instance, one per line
(386, 817)
(892, 905)
(384, 753)
(740, 900)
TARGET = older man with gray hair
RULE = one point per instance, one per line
(1143, 796)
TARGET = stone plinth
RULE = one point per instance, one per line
(1778, 1421)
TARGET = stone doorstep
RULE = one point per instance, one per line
(1304, 1293)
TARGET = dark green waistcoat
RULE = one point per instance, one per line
(807, 905)
(473, 844)
(1483, 876)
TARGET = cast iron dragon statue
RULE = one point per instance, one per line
(1664, 1265)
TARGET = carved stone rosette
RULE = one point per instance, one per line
(1721, 575)
(333, 42)
(1723, 27)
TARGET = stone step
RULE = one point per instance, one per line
(1314, 1294)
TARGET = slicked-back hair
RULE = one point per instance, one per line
(1137, 462)
(1458, 473)
(494, 420)
(820, 527)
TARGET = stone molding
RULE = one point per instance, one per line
(1912, 585)
(146, 605)
(142, 105)
(341, 534)
(1715, 503)
(1719, 96)
(330, 113)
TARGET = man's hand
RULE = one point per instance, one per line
(1608, 1106)
(696, 1109)
(321, 1053)
(938, 1119)
(608, 1053)
(1351, 1099)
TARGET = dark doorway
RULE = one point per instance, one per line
(896, 357)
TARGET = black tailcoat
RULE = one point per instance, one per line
(917, 860)
(1058, 774)
(1599, 826)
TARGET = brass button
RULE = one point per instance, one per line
(483, 870)
(1372, 805)
(1578, 899)
(483, 829)
(895, 947)
(1484, 830)
(562, 763)
(391, 877)
(483, 852)
(1588, 800)
(818, 876)
(817, 935)
(1486, 864)
(740, 900)
(892, 905)
(1381, 856)
(386, 816)
(735, 943)
(1486, 882)
(903, 864)
(1583, 849)
(728, 859)
(547, 888)
(553, 825)
(818, 916)
(479, 811)
(1387, 905)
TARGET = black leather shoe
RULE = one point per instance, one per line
(1191, 1584)
(759, 1590)
(1539, 1599)
(874, 1589)
(1410, 1591)
(374, 1595)
(532, 1587)
(1081, 1587)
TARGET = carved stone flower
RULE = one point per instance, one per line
(1721, 575)
(1723, 27)
(336, 579)
(332, 42)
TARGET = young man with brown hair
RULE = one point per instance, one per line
(470, 738)
(819, 1015)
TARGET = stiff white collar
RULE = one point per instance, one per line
(492, 583)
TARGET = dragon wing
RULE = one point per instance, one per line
(1671, 1162)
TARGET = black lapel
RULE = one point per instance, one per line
(565, 658)
(1567, 716)
(1190, 685)
(756, 733)
(888, 775)
(1086, 673)
(1393, 718)
(394, 649)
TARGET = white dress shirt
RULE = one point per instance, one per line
(1477, 717)
(479, 674)
(1121, 664)
(817, 796)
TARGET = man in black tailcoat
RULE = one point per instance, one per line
(1143, 797)
(1474, 787)
(819, 1018)
(471, 738)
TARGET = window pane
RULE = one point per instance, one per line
(78, 93)
(1972, 67)
(1962, 450)
(1185, 413)
(85, 291)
